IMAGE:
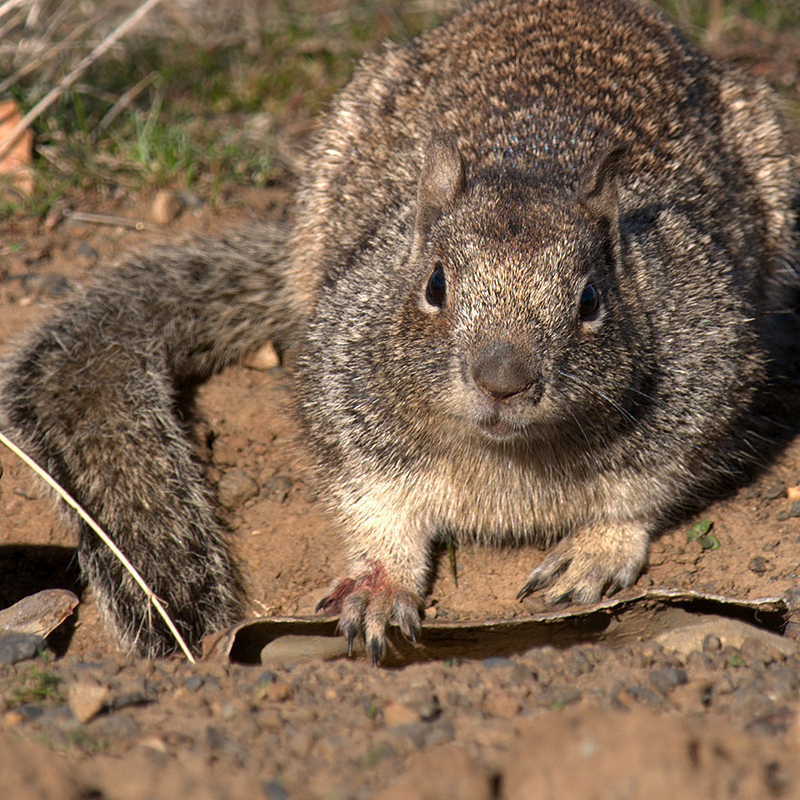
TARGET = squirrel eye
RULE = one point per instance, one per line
(590, 300)
(437, 287)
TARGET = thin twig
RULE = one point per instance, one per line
(9, 5)
(8, 142)
(124, 101)
(70, 501)
(47, 55)
(107, 219)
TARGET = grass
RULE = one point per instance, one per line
(190, 107)
(196, 103)
(38, 687)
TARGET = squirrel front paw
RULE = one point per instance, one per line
(583, 566)
(367, 605)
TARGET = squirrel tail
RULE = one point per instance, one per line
(94, 396)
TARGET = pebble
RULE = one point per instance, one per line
(774, 491)
(235, 488)
(277, 488)
(397, 714)
(669, 678)
(758, 565)
(190, 199)
(86, 700)
(266, 357)
(794, 511)
(87, 252)
(165, 207)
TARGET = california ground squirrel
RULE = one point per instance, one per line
(523, 291)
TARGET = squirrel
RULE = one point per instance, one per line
(523, 292)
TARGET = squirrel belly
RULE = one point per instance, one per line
(524, 291)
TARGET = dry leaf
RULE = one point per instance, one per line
(16, 162)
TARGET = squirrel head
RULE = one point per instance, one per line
(521, 289)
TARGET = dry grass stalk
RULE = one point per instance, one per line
(70, 501)
(66, 82)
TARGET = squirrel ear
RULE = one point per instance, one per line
(441, 182)
(599, 191)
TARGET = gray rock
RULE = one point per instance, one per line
(235, 488)
(15, 647)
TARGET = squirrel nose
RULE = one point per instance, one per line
(501, 371)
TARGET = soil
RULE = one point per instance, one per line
(636, 717)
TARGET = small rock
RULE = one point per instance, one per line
(189, 199)
(278, 691)
(775, 490)
(86, 251)
(29, 711)
(194, 682)
(498, 661)
(397, 714)
(263, 359)
(423, 701)
(274, 791)
(794, 511)
(13, 717)
(165, 208)
(782, 516)
(278, 487)
(86, 700)
(133, 693)
(502, 705)
(15, 647)
(793, 493)
(758, 565)
(668, 678)
(235, 488)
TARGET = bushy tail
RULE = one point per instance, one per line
(93, 398)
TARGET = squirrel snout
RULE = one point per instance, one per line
(502, 371)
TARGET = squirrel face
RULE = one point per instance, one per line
(524, 285)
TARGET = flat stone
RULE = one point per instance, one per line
(730, 633)
(286, 651)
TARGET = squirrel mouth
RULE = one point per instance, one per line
(498, 428)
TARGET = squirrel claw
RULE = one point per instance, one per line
(366, 606)
(591, 562)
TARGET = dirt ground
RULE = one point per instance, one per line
(639, 716)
